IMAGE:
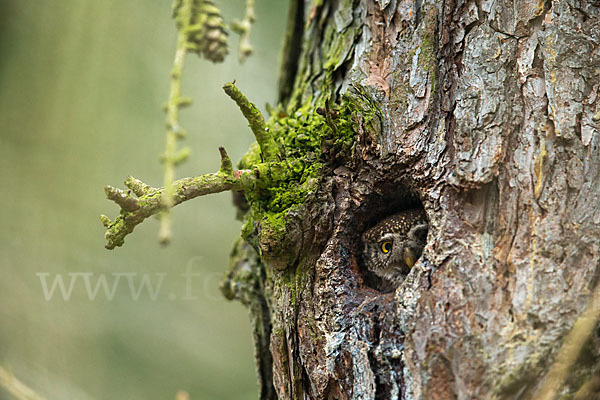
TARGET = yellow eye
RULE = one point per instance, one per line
(386, 246)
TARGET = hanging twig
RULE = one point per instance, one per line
(174, 131)
(243, 28)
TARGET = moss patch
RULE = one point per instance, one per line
(311, 140)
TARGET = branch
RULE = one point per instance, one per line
(151, 201)
(16, 388)
(570, 350)
(243, 28)
(265, 140)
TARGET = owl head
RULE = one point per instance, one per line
(392, 247)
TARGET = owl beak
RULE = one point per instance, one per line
(409, 257)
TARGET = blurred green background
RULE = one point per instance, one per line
(82, 83)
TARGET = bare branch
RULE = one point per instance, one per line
(267, 144)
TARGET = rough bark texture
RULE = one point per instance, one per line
(489, 118)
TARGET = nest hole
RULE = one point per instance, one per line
(390, 200)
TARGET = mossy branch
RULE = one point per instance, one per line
(143, 201)
(265, 140)
(243, 28)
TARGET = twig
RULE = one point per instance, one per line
(171, 158)
(17, 388)
(265, 140)
(138, 187)
(571, 348)
(243, 28)
(123, 199)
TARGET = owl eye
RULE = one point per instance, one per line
(386, 246)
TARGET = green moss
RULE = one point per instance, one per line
(310, 144)
(340, 46)
(300, 137)
(292, 282)
(274, 225)
(312, 326)
(252, 157)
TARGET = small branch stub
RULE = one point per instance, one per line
(105, 221)
(138, 187)
(226, 165)
(123, 199)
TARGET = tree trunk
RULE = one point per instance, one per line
(486, 116)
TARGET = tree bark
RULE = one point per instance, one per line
(488, 118)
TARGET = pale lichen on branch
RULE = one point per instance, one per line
(149, 201)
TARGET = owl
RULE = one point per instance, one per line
(393, 246)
